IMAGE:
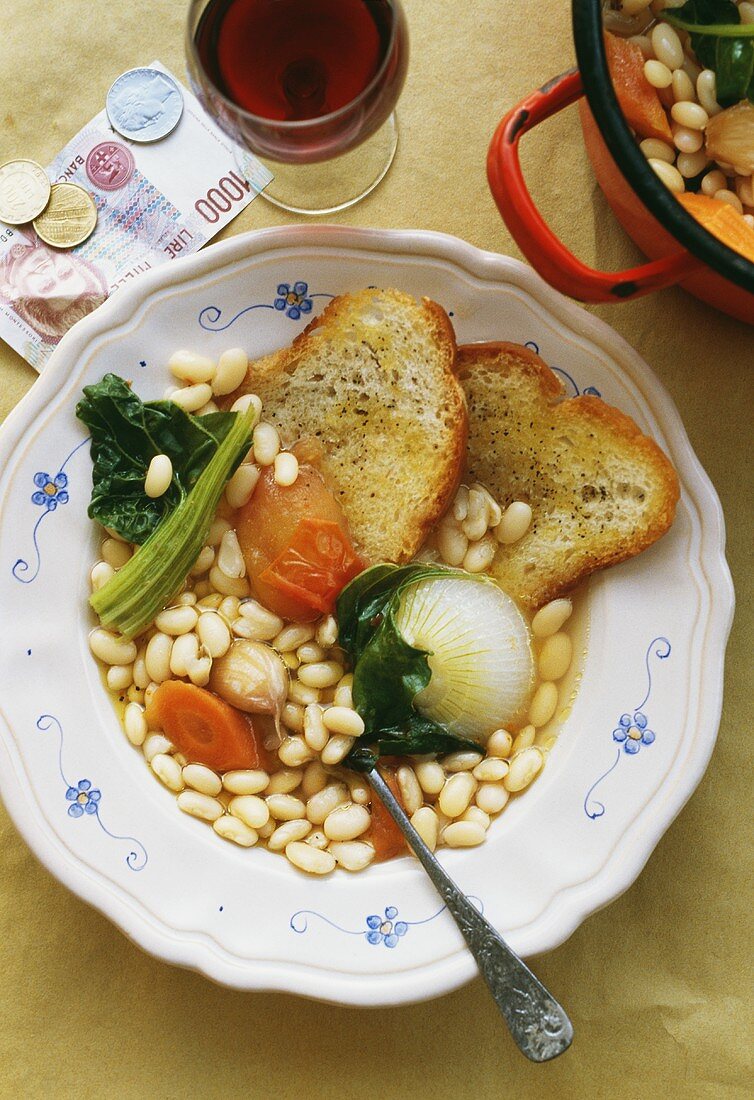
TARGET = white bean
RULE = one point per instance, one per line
(659, 150)
(424, 820)
(457, 794)
(229, 557)
(159, 476)
(411, 792)
(491, 797)
(478, 816)
(523, 739)
(343, 695)
(266, 443)
(352, 855)
(515, 523)
(317, 839)
(228, 586)
(168, 771)
(292, 636)
(231, 371)
(264, 623)
(287, 833)
(115, 552)
(315, 731)
(315, 779)
(198, 671)
(245, 782)
(310, 653)
(452, 544)
(111, 648)
(726, 195)
(190, 367)
(184, 652)
(346, 822)
(690, 115)
(499, 744)
(232, 828)
(203, 562)
(284, 807)
(686, 139)
(691, 164)
(706, 91)
(247, 401)
(683, 87)
(713, 182)
(344, 720)
(253, 811)
(543, 704)
(555, 656)
(491, 769)
(657, 74)
(298, 692)
(284, 781)
(524, 767)
(480, 555)
(295, 751)
(551, 617)
(157, 657)
(293, 717)
(176, 620)
(327, 632)
(359, 791)
(191, 398)
(242, 484)
(155, 743)
(320, 674)
(100, 575)
(286, 468)
(213, 633)
(431, 776)
(310, 859)
(135, 724)
(667, 45)
(463, 834)
(336, 749)
(202, 779)
(669, 175)
(324, 802)
(119, 677)
(462, 761)
(200, 805)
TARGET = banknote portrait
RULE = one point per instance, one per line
(50, 290)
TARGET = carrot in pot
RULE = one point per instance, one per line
(638, 100)
(205, 728)
(384, 834)
(721, 220)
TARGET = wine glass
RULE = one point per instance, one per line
(309, 86)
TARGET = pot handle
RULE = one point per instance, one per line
(542, 248)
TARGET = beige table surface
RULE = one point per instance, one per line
(657, 983)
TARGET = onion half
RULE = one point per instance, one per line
(479, 648)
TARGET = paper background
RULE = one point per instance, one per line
(657, 984)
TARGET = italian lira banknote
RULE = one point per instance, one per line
(155, 203)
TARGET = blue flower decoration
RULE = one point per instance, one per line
(51, 491)
(385, 929)
(632, 732)
(293, 300)
(84, 799)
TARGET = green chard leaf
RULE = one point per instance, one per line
(721, 43)
(126, 435)
(388, 672)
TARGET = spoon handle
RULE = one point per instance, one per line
(536, 1021)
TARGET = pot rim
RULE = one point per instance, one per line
(600, 94)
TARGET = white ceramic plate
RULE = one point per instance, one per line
(579, 836)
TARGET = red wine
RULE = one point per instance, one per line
(291, 60)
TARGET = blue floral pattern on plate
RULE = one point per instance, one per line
(51, 491)
(379, 931)
(85, 800)
(591, 390)
(293, 300)
(632, 731)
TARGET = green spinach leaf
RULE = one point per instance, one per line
(126, 435)
(720, 43)
(388, 672)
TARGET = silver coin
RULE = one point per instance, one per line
(144, 105)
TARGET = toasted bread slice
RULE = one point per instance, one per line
(372, 379)
(599, 489)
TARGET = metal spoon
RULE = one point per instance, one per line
(536, 1021)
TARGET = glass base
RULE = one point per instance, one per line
(335, 184)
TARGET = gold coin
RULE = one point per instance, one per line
(69, 217)
(24, 191)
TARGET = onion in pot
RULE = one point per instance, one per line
(251, 677)
(479, 648)
(729, 137)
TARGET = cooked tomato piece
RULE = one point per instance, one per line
(384, 834)
(638, 100)
(296, 545)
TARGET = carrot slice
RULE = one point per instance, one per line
(721, 220)
(639, 101)
(206, 729)
(384, 833)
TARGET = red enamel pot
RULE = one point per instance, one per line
(681, 251)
